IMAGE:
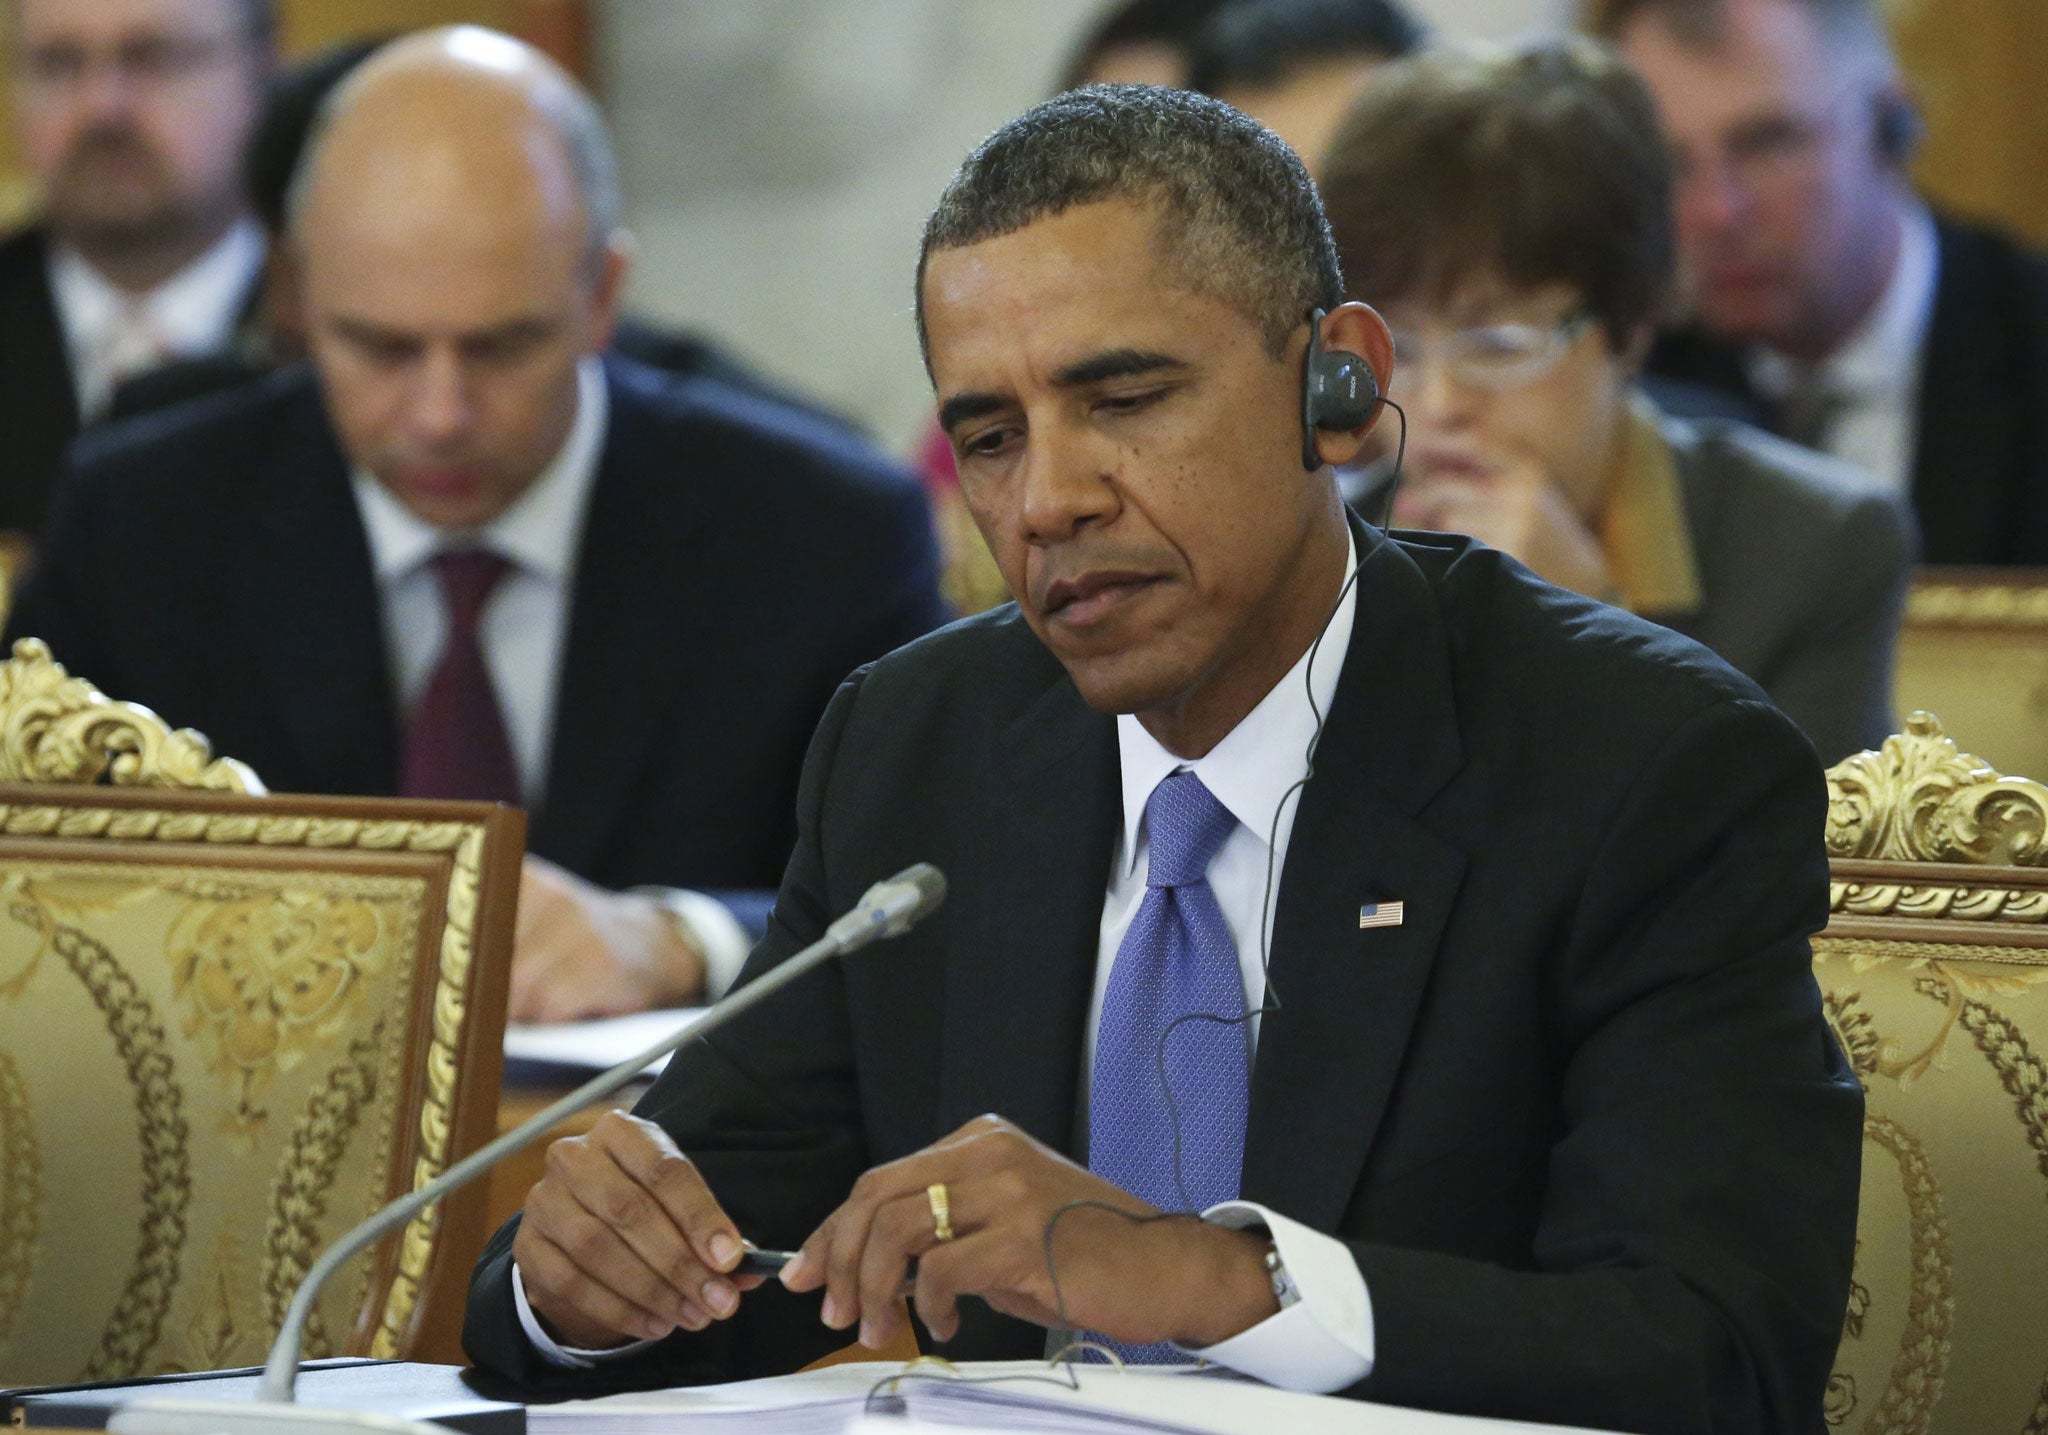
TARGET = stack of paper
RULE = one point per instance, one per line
(572, 1050)
(1016, 1396)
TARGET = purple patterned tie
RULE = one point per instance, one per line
(455, 742)
(1177, 959)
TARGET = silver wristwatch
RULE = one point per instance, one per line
(1285, 1290)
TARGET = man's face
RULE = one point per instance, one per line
(1780, 188)
(1497, 375)
(447, 340)
(1129, 449)
(133, 113)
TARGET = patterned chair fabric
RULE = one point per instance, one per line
(1934, 970)
(231, 1026)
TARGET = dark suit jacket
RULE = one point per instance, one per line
(737, 560)
(1803, 575)
(38, 406)
(1980, 473)
(38, 403)
(1580, 1117)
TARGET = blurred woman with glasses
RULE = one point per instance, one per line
(1509, 213)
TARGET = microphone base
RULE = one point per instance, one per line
(172, 1415)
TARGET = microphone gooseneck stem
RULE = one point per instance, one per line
(868, 922)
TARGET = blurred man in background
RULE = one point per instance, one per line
(1510, 214)
(1139, 42)
(1295, 66)
(275, 333)
(133, 115)
(1823, 289)
(468, 558)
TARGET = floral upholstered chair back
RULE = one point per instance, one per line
(231, 1026)
(1934, 969)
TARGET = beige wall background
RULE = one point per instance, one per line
(780, 157)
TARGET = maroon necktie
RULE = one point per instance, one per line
(455, 742)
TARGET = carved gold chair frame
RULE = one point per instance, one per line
(78, 767)
(1934, 970)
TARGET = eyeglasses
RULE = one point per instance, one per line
(1494, 356)
(150, 62)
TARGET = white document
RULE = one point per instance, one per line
(989, 1396)
(595, 1046)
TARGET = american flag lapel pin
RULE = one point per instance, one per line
(1381, 914)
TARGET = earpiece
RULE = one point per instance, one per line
(1339, 392)
(1899, 128)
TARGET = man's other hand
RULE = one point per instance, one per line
(622, 1240)
(1131, 1278)
(580, 951)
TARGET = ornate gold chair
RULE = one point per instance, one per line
(231, 1025)
(1934, 970)
(1974, 648)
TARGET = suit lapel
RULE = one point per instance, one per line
(624, 635)
(1027, 898)
(311, 608)
(1347, 997)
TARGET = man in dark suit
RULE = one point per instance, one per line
(465, 557)
(1825, 294)
(1534, 1111)
(133, 114)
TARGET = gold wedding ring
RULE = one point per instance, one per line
(942, 1210)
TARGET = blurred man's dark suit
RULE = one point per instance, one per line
(1579, 1115)
(38, 400)
(738, 559)
(1980, 468)
(38, 406)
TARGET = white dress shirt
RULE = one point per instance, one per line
(525, 622)
(1324, 1341)
(111, 335)
(1876, 371)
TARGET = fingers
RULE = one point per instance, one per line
(580, 1272)
(901, 1232)
(862, 1264)
(623, 1238)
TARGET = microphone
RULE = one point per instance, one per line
(888, 909)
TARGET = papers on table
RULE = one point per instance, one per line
(990, 1396)
(578, 1049)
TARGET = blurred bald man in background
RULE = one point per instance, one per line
(132, 116)
(465, 556)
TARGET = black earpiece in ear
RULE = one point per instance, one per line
(1339, 392)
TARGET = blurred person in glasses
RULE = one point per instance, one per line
(1509, 212)
(1823, 291)
(133, 115)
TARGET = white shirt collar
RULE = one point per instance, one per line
(1880, 358)
(193, 311)
(1256, 764)
(539, 534)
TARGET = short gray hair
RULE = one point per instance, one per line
(1240, 221)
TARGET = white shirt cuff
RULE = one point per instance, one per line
(1321, 1343)
(552, 1351)
(716, 931)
